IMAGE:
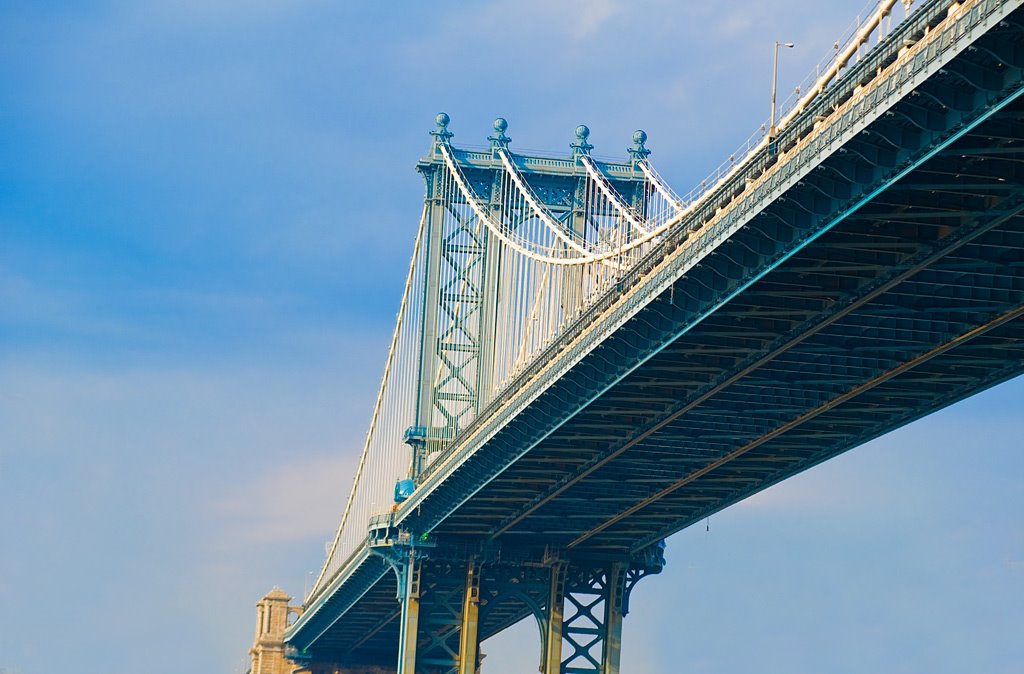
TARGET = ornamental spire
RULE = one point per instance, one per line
(441, 134)
(499, 140)
(638, 152)
(581, 146)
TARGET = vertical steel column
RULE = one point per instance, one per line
(434, 232)
(469, 644)
(615, 588)
(409, 629)
(455, 318)
(552, 658)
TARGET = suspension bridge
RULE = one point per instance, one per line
(586, 361)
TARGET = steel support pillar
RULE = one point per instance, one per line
(585, 607)
(614, 591)
(439, 632)
(409, 628)
(425, 395)
(551, 662)
(588, 591)
(469, 639)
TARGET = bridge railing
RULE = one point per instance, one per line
(874, 22)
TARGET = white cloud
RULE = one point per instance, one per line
(593, 15)
(734, 24)
(291, 501)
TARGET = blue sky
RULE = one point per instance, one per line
(206, 211)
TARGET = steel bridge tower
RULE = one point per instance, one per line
(448, 589)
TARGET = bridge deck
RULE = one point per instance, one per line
(827, 286)
(857, 291)
(905, 306)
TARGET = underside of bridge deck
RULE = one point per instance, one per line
(889, 283)
(885, 283)
(910, 303)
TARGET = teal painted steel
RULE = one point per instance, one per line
(861, 284)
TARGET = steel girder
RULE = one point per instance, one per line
(591, 594)
(871, 278)
(881, 239)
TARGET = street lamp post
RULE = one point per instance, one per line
(775, 77)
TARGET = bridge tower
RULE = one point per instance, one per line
(268, 649)
(459, 286)
(461, 364)
(450, 590)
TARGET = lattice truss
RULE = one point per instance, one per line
(460, 300)
(585, 630)
(440, 618)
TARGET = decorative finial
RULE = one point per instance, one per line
(581, 146)
(638, 152)
(442, 134)
(499, 139)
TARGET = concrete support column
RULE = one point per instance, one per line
(469, 644)
(409, 629)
